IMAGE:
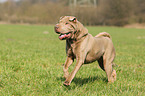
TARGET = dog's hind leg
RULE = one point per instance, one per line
(108, 62)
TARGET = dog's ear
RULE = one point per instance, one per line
(73, 19)
(61, 17)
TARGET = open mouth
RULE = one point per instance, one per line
(64, 36)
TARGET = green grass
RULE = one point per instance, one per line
(31, 59)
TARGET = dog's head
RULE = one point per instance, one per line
(66, 27)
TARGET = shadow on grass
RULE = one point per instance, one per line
(81, 81)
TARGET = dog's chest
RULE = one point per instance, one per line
(70, 49)
(71, 46)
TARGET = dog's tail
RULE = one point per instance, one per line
(105, 34)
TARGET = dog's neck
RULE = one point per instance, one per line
(79, 33)
(77, 38)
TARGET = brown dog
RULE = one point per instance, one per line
(85, 48)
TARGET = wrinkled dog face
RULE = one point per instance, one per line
(66, 27)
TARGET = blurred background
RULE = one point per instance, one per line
(89, 12)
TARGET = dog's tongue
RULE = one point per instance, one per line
(61, 37)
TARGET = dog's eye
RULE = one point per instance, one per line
(66, 23)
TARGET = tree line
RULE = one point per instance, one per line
(107, 12)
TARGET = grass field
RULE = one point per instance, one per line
(31, 59)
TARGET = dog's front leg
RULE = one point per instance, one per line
(75, 70)
(68, 62)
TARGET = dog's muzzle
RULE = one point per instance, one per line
(62, 36)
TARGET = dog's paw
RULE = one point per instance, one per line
(114, 75)
(66, 83)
